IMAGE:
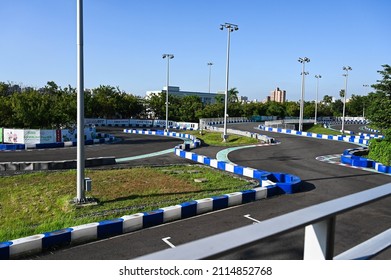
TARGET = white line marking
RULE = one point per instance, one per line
(168, 242)
(252, 219)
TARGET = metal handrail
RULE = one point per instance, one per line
(319, 221)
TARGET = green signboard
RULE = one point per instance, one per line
(1, 135)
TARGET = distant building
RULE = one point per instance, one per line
(243, 99)
(206, 98)
(277, 95)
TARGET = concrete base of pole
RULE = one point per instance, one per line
(88, 201)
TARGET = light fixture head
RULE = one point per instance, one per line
(304, 59)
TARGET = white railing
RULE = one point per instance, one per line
(319, 224)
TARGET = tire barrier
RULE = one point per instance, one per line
(353, 157)
(276, 183)
(55, 165)
(352, 139)
(192, 142)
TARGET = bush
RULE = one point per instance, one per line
(380, 151)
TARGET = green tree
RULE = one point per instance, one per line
(292, 109)
(327, 99)
(190, 108)
(355, 106)
(233, 95)
(156, 104)
(337, 107)
(275, 109)
(379, 109)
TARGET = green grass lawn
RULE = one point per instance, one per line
(215, 139)
(41, 202)
(321, 130)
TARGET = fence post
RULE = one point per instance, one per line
(319, 240)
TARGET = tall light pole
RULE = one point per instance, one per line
(303, 73)
(80, 106)
(230, 28)
(316, 101)
(363, 105)
(168, 56)
(347, 69)
(210, 72)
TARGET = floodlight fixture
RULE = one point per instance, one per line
(168, 56)
(316, 101)
(347, 69)
(302, 60)
(230, 27)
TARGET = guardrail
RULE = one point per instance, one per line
(318, 221)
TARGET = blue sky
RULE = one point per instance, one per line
(125, 39)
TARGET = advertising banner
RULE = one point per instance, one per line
(1, 135)
(31, 136)
(135, 122)
(117, 122)
(13, 136)
(97, 121)
(58, 135)
(90, 133)
(68, 135)
(184, 125)
(47, 136)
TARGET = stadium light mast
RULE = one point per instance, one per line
(363, 105)
(230, 28)
(347, 69)
(210, 72)
(316, 101)
(168, 56)
(303, 73)
(80, 107)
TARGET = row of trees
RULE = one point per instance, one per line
(54, 107)
(190, 108)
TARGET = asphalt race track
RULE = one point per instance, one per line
(296, 155)
(128, 146)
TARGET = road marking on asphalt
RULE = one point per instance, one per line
(165, 240)
(119, 160)
(252, 219)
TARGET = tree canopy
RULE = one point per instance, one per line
(379, 102)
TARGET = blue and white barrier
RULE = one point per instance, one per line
(36, 244)
(287, 183)
(349, 157)
(351, 139)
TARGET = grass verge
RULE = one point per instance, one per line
(41, 202)
(317, 128)
(215, 139)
